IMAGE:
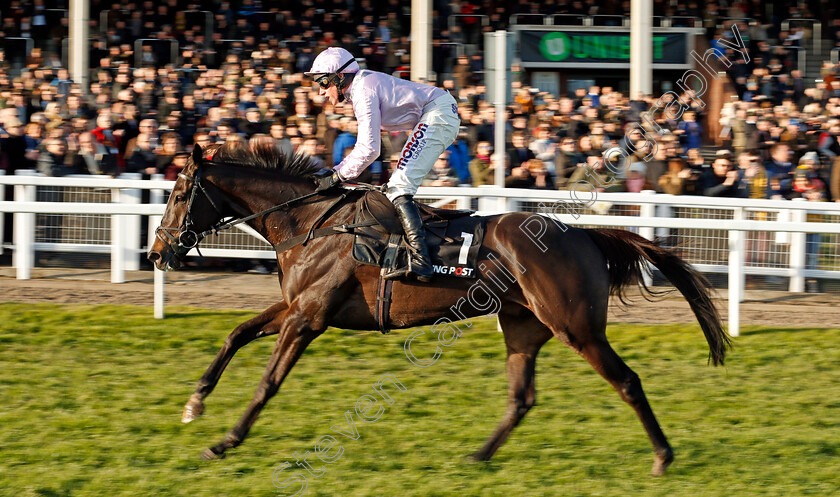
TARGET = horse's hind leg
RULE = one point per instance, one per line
(524, 335)
(605, 360)
(244, 334)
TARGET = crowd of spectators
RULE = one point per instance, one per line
(141, 112)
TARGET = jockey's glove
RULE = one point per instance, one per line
(326, 179)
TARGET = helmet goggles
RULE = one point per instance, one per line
(325, 80)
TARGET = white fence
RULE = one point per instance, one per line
(793, 239)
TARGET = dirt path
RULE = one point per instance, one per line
(257, 292)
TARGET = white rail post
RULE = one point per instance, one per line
(506, 204)
(24, 228)
(647, 210)
(798, 242)
(463, 202)
(160, 295)
(500, 102)
(667, 212)
(131, 224)
(485, 203)
(736, 275)
(156, 197)
(117, 242)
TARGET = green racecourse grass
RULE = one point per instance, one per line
(92, 397)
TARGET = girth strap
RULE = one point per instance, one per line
(320, 232)
(383, 304)
(383, 291)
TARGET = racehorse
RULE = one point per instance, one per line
(562, 290)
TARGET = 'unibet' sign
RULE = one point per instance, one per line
(597, 47)
(558, 46)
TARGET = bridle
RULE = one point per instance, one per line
(181, 240)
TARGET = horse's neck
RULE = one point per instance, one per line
(257, 193)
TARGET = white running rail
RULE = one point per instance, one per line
(774, 234)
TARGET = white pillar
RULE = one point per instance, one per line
(24, 229)
(798, 251)
(463, 202)
(131, 229)
(421, 39)
(736, 275)
(486, 204)
(2, 214)
(500, 76)
(641, 47)
(117, 242)
(79, 50)
(647, 210)
(157, 197)
(160, 296)
(667, 212)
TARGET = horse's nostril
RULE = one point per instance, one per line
(154, 256)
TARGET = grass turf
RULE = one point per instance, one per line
(92, 398)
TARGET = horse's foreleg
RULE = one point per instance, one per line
(605, 360)
(523, 340)
(294, 336)
(244, 334)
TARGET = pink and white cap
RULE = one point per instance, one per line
(333, 60)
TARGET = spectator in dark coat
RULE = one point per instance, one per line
(170, 145)
(142, 158)
(519, 153)
(723, 180)
(92, 157)
(55, 161)
(779, 165)
(13, 147)
(253, 123)
(689, 131)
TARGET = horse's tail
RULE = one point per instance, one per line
(626, 252)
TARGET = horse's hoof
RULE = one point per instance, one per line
(478, 457)
(192, 410)
(661, 463)
(210, 454)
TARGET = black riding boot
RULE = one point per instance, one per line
(419, 263)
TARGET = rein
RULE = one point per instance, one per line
(188, 238)
(222, 226)
(301, 239)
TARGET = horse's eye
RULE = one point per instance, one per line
(179, 198)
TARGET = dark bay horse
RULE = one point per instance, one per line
(561, 288)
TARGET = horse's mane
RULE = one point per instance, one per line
(262, 155)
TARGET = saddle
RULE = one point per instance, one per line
(453, 237)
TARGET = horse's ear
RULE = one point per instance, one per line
(196, 154)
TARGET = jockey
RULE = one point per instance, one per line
(383, 102)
